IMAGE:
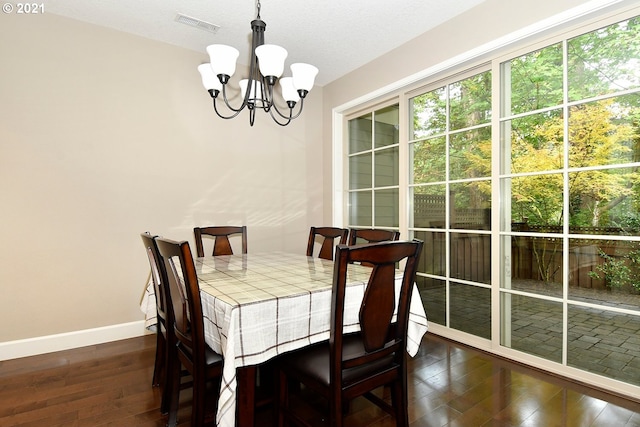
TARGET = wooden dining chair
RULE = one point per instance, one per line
(327, 235)
(204, 364)
(371, 235)
(220, 234)
(164, 314)
(351, 365)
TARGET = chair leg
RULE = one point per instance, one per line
(173, 385)
(399, 402)
(282, 404)
(336, 414)
(170, 360)
(158, 367)
(197, 408)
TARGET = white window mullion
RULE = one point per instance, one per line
(565, 207)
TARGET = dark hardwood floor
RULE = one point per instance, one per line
(449, 385)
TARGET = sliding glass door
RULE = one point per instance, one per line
(522, 177)
(450, 200)
(570, 217)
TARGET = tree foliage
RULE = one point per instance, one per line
(585, 141)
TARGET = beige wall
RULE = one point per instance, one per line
(104, 135)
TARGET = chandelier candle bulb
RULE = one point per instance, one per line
(223, 60)
(209, 79)
(289, 92)
(304, 76)
(271, 61)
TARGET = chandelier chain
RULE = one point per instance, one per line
(258, 7)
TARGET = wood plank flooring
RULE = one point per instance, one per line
(449, 385)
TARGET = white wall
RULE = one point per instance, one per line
(104, 135)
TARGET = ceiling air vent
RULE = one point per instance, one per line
(194, 22)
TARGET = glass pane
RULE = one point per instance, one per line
(360, 208)
(532, 325)
(536, 202)
(605, 272)
(604, 343)
(535, 81)
(386, 126)
(471, 257)
(604, 132)
(360, 134)
(387, 208)
(434, 298)
(429, 160)
(471, 205)
(536, 265)
(527, 260)
(360, 174)
(429, 113)
(604, 61)
(429, 206)
(535, 141)
(433, 258)
(471, 309)
(608, 198)
(470, 101)
(470, 154)
(387, 163)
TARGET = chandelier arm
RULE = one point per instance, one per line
(275, 118)
(226, 101)
(291, 116)
(215, 108)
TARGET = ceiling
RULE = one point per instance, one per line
(337, 36)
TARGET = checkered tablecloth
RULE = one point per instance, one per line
(257, 306)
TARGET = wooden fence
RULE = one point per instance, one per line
(470, 255)
(541, 258)
(532, 258)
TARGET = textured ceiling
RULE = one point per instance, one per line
(337, 36)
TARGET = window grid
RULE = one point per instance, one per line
(381, 194)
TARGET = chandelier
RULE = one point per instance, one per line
(257, 91)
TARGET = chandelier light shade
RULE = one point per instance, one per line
(265, 70)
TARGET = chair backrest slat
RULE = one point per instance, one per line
(328, 236)
(371, 235)
(220, 234)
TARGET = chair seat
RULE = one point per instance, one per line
(313, 361)
(211, 358)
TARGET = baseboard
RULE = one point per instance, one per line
(68, 340)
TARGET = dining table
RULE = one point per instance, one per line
(259, 305)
